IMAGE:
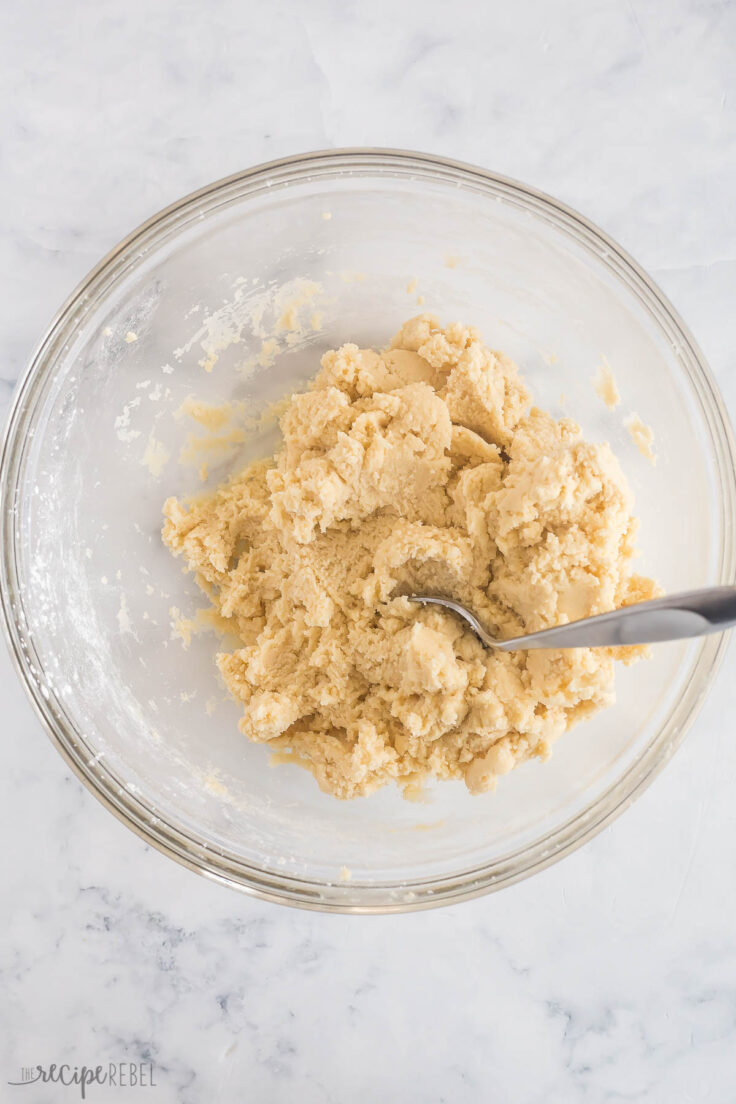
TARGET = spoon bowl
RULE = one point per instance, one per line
(674, 617)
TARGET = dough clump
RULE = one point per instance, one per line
(420, 468)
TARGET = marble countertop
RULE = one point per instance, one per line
(611, 976)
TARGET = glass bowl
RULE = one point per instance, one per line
(181, 308)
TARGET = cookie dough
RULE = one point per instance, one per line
(420, 468)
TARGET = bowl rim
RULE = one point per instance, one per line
(178, 844)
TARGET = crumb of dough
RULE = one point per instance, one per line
(206, 619)
(156, 456)
(215, 786)
(451, 261)
(130, 337)
(420, 467)
(327, 215)
(205, 414)
(345, 873)
(411, 287)
(643, 437)
(316, 321)
(605, 386)
(289, 318)
(267, 353)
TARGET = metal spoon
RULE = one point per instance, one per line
(694, 613)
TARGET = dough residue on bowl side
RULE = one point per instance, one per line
(643, 437)
(605, 385)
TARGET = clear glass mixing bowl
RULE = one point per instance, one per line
(87, 586)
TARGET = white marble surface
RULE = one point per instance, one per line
(610, 977)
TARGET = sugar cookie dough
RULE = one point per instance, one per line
(422, 467)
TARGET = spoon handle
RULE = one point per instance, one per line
(674, 617)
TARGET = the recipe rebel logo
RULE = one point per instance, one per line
(120, 1075)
